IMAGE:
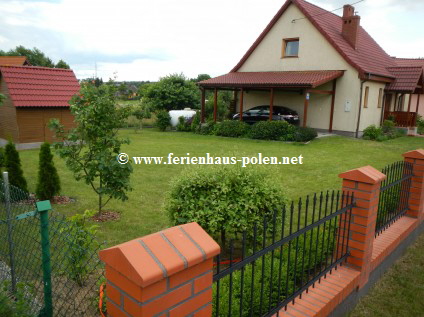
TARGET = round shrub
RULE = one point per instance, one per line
(272, 130)
(183, 124)
(372, 132)
(223, 199)
(305, 134)
(163, 120)
(206, 128)
(232, 128)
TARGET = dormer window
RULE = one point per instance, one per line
(290, 47)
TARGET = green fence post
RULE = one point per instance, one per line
(43, 207)
(9, 229)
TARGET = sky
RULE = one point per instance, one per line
(135, 40)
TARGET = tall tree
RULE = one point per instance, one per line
(173, 92)
(48, 183)
(91, 149)
(12, 163)
(34, 56)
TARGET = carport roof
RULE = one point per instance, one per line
(285, 79)
(408, 79)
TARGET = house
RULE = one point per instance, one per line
(327, 68)
(34, 95)
(14, 61)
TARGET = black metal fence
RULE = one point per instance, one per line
(394, 194)
(283, 257)
(68, 285)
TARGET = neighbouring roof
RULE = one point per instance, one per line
(13, 61)
(409, 62)
(307, 79)
(407, 78)
(368, 57)
(31, 86)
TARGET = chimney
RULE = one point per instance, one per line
(350, 26)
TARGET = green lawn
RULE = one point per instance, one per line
(400, 291)
(142, 214)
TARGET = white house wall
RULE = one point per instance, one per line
(315, 53)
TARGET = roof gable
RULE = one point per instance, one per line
(13, 61)
(369, 57)
(31, 86)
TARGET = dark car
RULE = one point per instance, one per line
(261, 113)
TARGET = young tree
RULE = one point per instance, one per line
(173, 92)
(12, 162)
(48, 183)
(91, 149)
(141, 111)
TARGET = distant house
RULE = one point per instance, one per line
(327, 68)
(34, 95)
(14, 61)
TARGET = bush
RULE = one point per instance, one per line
(372, 132)
(48, 183)
(17, 305)
(232, 128)
(206, 128)
(223, 199)
(273, 130)
(195, 122)
(1, 158)
(420, 125)
(81, 246)
(183, 125)
(163, 120)
(13, 166)
(305, 134)
(386, 132)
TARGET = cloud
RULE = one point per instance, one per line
(144, 39)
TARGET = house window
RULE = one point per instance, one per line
(290, 47)
(367, 89)
(380, 98)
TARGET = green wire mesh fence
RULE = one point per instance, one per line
(75, 269)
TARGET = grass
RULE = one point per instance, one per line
(400, 291)
(143, 213)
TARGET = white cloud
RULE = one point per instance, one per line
(144, 40)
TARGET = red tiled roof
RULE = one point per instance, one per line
(13, 61)
(407, 78)
(369, 57)
(39, 86)
(309, 79)
(409, 62)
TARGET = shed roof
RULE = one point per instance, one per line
(13, 61)
(31, 86)
(368, 57)
(304, 79)
(407, 78)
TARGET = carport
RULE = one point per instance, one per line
(303, 82)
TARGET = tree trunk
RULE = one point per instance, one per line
(223, 239)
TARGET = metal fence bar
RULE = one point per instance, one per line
(311, 244)
(394, 194)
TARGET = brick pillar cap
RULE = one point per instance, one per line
(416, 154)
(365, 174)
(152, 258)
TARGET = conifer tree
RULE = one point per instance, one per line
(12, 162)
(48, 183)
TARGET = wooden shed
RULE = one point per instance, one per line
(34, 95)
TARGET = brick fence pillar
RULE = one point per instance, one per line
(168, 273)
(416, 194)
(364, 183)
